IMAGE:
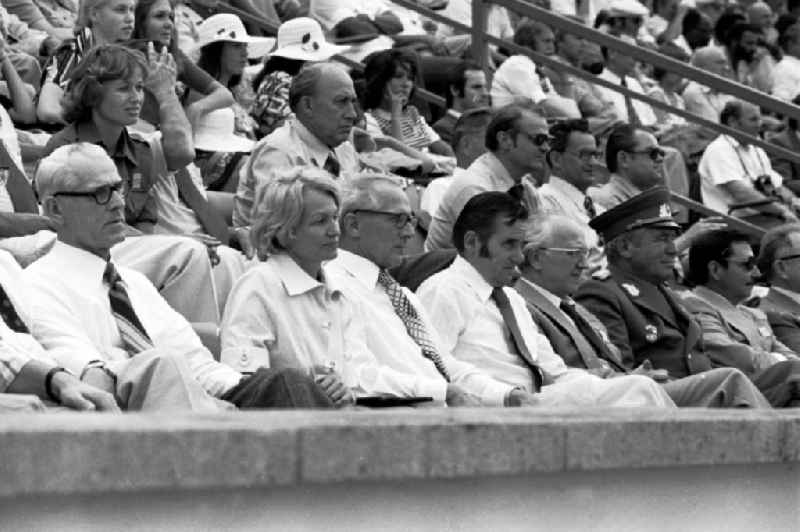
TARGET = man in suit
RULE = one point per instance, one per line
(556, 251)
(723, 268)
(777, 260)
(789, 138)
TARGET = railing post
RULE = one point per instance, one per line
(480, 47)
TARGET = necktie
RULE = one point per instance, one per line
(414, 325)
(131, 330)
(332, 165)
(19, 189)
(213, 223)
(504, 305)
(9, 313)
(597, 342)
(633, 117)
(588, 204)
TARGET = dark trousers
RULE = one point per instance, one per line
(780, 383)
(271, 388)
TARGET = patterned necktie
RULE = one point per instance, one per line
(588, 204)
(9, 313)
(414, 325)
(332, 165)
(131, 330)
(633, 116)
(504, 305)
(569, 307)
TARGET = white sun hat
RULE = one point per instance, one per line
(225, 27)
(214, 132)
(302, 39)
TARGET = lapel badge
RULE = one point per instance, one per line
(631, 289)
(650, 333)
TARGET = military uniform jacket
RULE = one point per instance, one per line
(645, 322)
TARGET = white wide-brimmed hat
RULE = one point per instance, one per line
(225, 27)
(302, 39)
(214, 132)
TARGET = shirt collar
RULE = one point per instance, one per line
(80, 262)
(474, 279)
(625, 185)
(319, 150)
(497, 170)
(550, 296)
(295, 280)
(567, 189)
(364, 270)
(87, 132)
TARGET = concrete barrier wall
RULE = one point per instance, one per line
(458, 469)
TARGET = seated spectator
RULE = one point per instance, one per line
(109, 325)
(789, 138)
(24, 46)
(271, 105)
(323, 101)
(704, 101)
(733, 173)
(155, 22)
(786, 74)
(55, 19)
(25, 367)
(376, 224)
(752, 63)
(723, 268)
(695, 32)
(466, 89)
(498, 23)
(668, 88)
(99, 22)
(556, 255)
(390, 83)
(517, 140)
(777, 261)
(330, 12)
(221, 152)
(484, 322)
(760, 14)
(104, 98)
(620, 70)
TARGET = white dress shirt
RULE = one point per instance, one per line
(290, 145)
(517, 76)
(485, 174)
(471, 327)
(725, 160)
(703, 101)
(786, 78)
(72, 317)
(646, 115)
(16, 349)
(404, 369)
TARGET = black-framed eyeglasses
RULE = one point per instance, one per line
(586, 156)
(573, 253)
(655, 152)
(399, 219)
(539, 139)
(102, 195)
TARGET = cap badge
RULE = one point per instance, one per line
(631, 289)
(650, 333)
(664, 211)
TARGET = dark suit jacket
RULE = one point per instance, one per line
(645, 322)
(788, 169)
(783, 314)
(566, 339)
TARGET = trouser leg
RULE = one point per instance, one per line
(270, 388)
(780, 383)
(716, 388)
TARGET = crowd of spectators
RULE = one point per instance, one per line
(197, 213)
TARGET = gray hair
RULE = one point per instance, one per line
(775, 239)
(278, 205)
(544, 230)
(67, 167)
(306, 81)
(362, 191)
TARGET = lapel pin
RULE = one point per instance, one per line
(631, 289)
(650, 333)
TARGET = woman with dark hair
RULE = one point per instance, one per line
(390, 78)
(155, 22)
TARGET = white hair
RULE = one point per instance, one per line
(363, 192)
(546, 230)
(68, 167)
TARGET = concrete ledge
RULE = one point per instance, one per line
(71, 454)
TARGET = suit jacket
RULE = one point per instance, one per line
(567, 341)
(645, 322)
(783, 314)
(733, 335)
(788, 169)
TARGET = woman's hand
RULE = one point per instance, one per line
(398, 100)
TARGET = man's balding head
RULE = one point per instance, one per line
(323, 99)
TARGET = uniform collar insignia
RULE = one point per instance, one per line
(631, 289)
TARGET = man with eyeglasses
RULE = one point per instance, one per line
(517, 140)
(555, 259)
(376, 224)
(779, 262)
(483, 321)
(724, 270)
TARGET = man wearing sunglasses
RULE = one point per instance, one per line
(779, 262)
(518, 141)
(724, 270)
(555, 261)
(376, 224)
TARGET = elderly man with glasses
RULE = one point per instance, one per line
(556, 255)
(778, 260)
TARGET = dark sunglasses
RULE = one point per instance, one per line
(655, 153)
(540, 139)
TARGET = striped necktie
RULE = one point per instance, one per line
(414, 325)
(131, 331)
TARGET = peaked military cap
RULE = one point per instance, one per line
(648, 209)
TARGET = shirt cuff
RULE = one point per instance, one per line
(436, 388)
(495, 394)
